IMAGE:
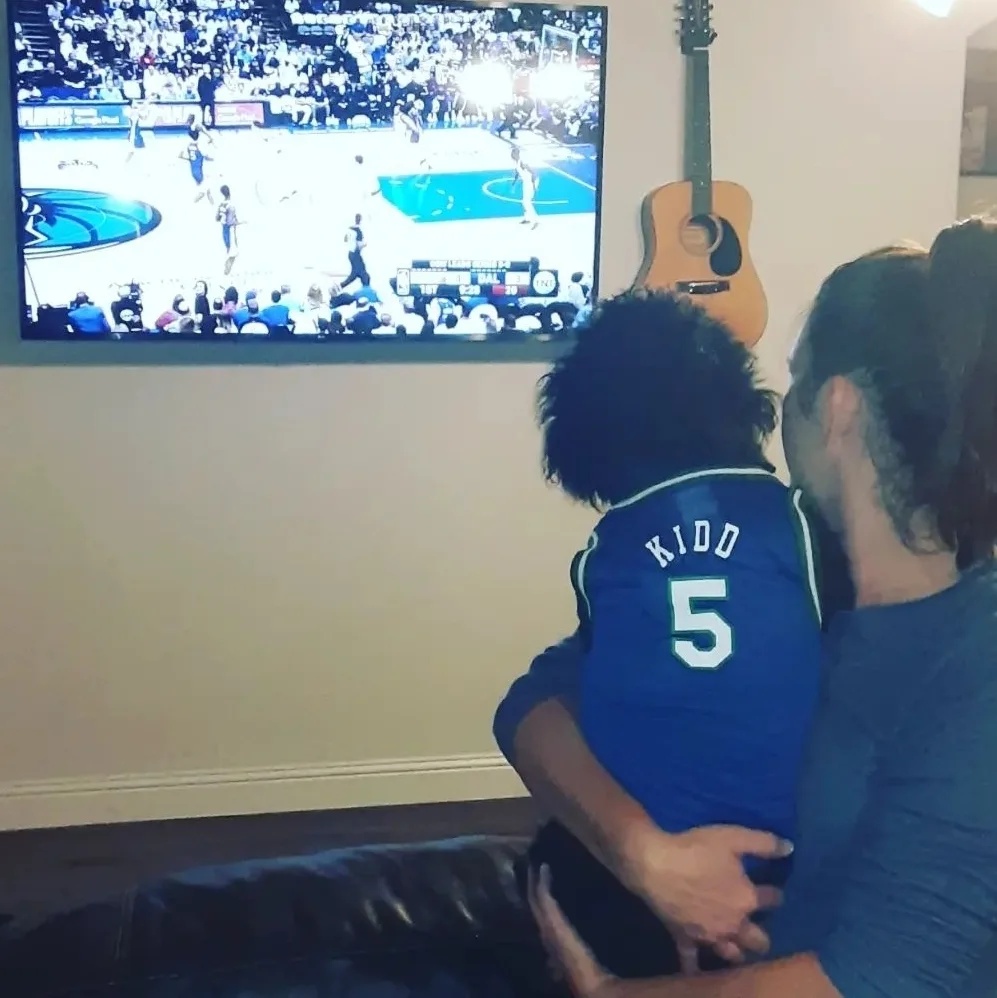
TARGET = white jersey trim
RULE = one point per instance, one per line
(809, 551)
(593, 543)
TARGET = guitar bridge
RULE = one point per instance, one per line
(702, 287)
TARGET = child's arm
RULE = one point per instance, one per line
(536, 730)
(554, 675)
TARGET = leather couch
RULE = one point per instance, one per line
(437, 920)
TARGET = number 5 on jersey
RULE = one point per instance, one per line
(701, 638)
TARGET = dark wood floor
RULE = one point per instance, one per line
(53, 869)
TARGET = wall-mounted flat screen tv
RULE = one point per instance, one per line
(307, 169)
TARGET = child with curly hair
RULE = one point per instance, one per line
(697, 598)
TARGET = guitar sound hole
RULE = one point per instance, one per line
(701, 234)
(714, 237)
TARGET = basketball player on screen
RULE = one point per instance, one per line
(368, 183)
(195, 156)
(196, 132)
(355, 246)
(399, 123)
(196, 159)
(138, 114)
(228, 218)
(527, 178)
(410, 119)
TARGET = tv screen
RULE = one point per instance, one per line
(306, 169)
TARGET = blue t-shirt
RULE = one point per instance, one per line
(698, 600)
(894, 881)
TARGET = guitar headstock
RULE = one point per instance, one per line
(695, 25)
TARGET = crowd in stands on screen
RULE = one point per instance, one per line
(357, 69)
(578, 291)
(357, 311)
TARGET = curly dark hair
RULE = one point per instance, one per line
(653, 388)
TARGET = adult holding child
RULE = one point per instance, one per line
(890, 427)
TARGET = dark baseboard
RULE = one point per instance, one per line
(48, 870)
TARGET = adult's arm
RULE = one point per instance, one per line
(694, 881)
(535, 729)
(792, 978)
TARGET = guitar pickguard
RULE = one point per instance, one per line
(726, 259)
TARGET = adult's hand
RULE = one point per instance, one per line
(696, 883)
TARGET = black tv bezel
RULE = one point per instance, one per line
(17, 351)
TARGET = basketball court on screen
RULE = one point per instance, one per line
(296, 192)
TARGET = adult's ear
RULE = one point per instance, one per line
(841, 408)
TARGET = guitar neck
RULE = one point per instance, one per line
(698, 144)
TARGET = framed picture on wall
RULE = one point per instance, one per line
(973, 150)
(978, 152)
(312, 181)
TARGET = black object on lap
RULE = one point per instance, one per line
(625, 935)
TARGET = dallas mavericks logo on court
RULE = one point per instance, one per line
(57, 221)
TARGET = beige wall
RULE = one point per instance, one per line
(243, 589)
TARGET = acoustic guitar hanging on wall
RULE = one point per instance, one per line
(696, 230)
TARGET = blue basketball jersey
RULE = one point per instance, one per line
(196, 160)
(698, 599)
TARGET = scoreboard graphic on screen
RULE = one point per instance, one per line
(478, 279)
